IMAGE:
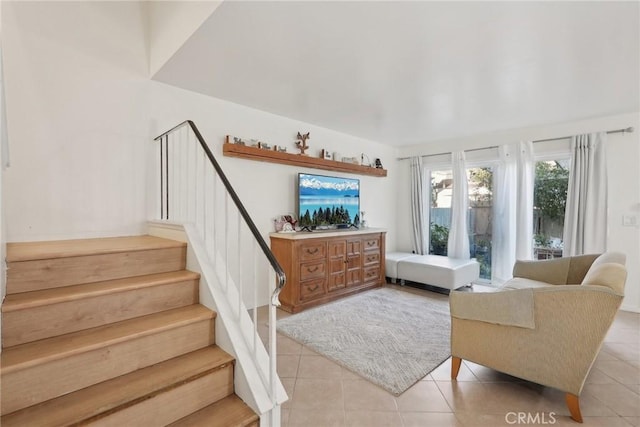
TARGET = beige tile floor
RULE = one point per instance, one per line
(323, 394)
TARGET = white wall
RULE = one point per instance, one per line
(170, 24)
(76, 85)
(623, 152)
(82, 115)
(624, 190)
(3, 141)
(268, 189)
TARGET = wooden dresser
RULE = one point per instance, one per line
(324, 266)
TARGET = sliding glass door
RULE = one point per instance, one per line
(549, 202)
(479, 214)
(440, 210)
(480, 217)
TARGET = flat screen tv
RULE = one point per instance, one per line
(327, 201)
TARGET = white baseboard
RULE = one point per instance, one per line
(630, 308)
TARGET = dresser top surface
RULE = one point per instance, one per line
(301, 235)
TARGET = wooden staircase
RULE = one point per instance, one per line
(109, 332)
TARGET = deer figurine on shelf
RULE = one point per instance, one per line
(302, 142)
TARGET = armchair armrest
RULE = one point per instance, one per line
(511, 308)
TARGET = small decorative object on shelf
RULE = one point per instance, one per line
(264, 145)
(238, 141)
(378, 164)
(363, 223)
(362, 161)
(278, 223)
(290, 219)
(282, 149)
(352, 160)
(287, 228)
(285, 224)
(301, 143)
(326, 154)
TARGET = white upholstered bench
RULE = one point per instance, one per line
(434, 270)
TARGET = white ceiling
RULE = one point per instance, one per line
(404, 73)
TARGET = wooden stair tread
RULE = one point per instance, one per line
(122, 391)
(25, 300)
(29, 251)
(228, 412)
(30, 354)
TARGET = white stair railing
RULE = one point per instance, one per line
(195, 192)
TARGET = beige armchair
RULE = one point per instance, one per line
(546, 325)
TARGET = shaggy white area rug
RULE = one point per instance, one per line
(390, 337)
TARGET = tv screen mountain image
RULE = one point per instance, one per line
(327, 200)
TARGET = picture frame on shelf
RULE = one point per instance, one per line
(326, 154)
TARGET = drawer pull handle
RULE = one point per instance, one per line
(309, 270)
(371, 243)
(314, 288)
(312, 252)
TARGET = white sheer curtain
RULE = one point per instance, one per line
(505, 178)
(524, 211)
(458, 234)
(585, 220)
(418, 215)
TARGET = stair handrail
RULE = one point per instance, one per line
(280, 275)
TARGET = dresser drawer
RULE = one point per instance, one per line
(312, 250)
(309, 270)
(371, 243)
(371, 274)
(311, 288)
(371, 258)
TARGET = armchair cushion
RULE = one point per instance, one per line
(522, 283)
(607, 274)
(615, 257)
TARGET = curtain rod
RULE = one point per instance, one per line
(629, 129)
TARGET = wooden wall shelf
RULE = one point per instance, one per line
(262, 155)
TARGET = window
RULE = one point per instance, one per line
(480, 184)
(549, 202)
(440, 211)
